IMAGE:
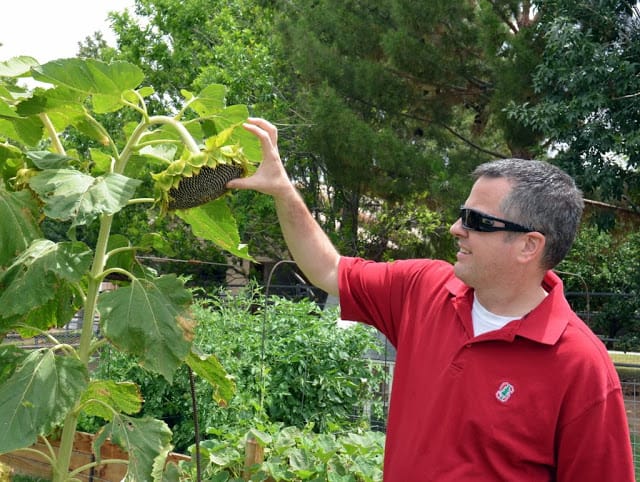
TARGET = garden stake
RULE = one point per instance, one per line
(196, 425)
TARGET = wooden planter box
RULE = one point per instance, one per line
(27, 463)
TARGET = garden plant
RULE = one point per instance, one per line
(133, 157)
(304, 391)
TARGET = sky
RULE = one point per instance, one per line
(51, 29)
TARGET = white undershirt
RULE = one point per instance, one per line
(484, 320)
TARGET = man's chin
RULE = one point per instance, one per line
(459, 271)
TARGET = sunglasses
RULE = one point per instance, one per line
(478, 221)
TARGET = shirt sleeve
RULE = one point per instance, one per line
(596, 446)
(365, 293)
(382, 293)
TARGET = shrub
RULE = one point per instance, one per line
(601, 263)
(290, 363)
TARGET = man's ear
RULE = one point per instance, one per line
(532, 246)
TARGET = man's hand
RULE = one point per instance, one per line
(270, 176)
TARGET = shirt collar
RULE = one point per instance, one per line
(544, 324)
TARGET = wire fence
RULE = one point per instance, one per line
(631, 390)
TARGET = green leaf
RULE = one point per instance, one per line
(210, 368)
(215, 222)
(38, 396)
(70, 194)
(35, 275)
(101, 162)
(91, 130)
(301, 462)
(105, 104)
(148, 320)
(147, 441)
(172, 473)
(63, 106)
(19, 227)
(54, 312)
(6, 110)
(277, 470)
(261, 437)
(28, 130)
(11, 160)
(161, 154)
(232, 117)
(211, 100)
(120, 397)
(17, 66)
(7, 129)
(106, 82)
(334, 477)
(158, 243)
(10, 358)
(48, 160)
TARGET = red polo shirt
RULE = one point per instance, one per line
(538, 400)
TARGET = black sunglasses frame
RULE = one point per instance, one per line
(477, 221)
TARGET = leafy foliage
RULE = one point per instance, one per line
(295, 454)
(289, 362)
(38, 395)
(604, 266)
(44, 282)
(587, 86)
(193, 44)
(401, 98)
(314, 372)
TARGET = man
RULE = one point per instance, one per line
(496, 379)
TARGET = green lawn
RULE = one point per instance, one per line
(632, 358)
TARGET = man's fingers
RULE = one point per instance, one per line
(270, 169)
(259, 126)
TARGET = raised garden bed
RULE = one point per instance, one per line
(28, 463)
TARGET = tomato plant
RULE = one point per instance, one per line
(134, 158)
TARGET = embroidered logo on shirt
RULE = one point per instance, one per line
(505, 391)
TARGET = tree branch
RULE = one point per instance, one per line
(472, 144)
(512, 26)
(600, 204)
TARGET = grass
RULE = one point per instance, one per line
(631, 357)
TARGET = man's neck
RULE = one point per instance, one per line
(515, 302)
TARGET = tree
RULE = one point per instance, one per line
(588, 95)
(188, 44)
(402, 98)
(380, 103)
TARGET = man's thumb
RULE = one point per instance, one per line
(238, 183)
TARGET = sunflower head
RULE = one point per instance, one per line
(200, 178)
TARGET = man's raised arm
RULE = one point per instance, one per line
(309, 245)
